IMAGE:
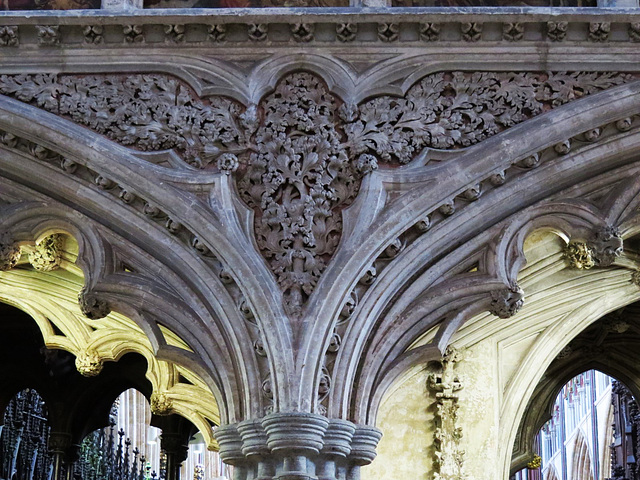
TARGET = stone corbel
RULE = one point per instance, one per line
(297, 446)
(9, 252)
(505, 303)
(601, 250)
(92, 307)
(47, 254)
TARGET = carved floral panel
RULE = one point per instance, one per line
(300, 154)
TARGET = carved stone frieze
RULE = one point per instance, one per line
(429, 32)
(471, 31)
(301, 152)
(217, 33)
(557, 31)
(513, 32)
(48, 35)
(388, 32)
(47, 254)
(599, 31)
(9, 36)
(93, 34)
(346, 32)
(449, 464)
(9, 252)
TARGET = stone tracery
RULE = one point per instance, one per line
(302, 151)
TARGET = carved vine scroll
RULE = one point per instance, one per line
(446, 385)
(300, 153)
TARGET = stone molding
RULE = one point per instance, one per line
(313, 26)
(297, 446)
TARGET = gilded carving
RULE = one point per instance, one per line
(161, 404)
(89, 363)
(446, 384)
(579, 255)
(47, 254)
(602, 250)
(535, 463)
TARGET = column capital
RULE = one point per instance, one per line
(297, 446)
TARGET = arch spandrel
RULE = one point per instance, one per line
(187, 259)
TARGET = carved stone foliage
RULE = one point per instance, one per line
(148, 112)
(601, 250)
(92, 306)
(446, 385)
(298, 179)
(299, 155)
(9, 252)
(458, 109)
(161, 404)
(47, 254)
(507, 302)
(89, 363)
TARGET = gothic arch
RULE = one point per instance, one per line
(581, 460)
(492, 252)
(110, 232)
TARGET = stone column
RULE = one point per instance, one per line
(176, 449)
(297, 446)
(62, 450)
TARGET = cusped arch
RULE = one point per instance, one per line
(609, 161)
(83, 180)
(50, 300)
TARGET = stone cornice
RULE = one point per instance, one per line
(321, 27)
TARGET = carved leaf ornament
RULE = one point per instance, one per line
(302, 152)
